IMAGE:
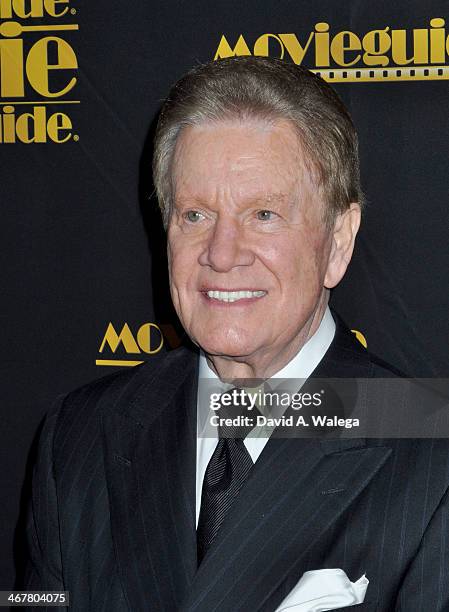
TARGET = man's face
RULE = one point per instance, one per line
(248, 250)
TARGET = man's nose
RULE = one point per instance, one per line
(226, 247)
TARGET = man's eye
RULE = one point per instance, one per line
(265, 215)
(193, 216)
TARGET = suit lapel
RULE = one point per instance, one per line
(150, 455)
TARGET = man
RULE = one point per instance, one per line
(256, 171)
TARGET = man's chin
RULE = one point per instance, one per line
(226, 349)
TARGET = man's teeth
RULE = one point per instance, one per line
(233, 296)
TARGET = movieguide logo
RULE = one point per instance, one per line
(38, 68)
(381, 54)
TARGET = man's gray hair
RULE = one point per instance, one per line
(271, 90)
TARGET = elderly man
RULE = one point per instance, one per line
(256, 170)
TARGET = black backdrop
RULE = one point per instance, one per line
(83, 250)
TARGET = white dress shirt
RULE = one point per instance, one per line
(301, 366)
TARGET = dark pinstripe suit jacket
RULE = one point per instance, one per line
(113, 509)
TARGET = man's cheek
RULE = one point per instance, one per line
(179, 265)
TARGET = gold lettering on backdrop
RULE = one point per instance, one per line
(113, 340)
(343, 42)
(322, 44)
(31, 8)
(34, 126)
(420, 47)
(437, 41)
(38, 67)
(11, 69)
(31, 56)
(149, 340)
(383, 53)
(294, 48)
(376, 45)
(261, 45)
(225, 50)
(360, 337)
(144, 336)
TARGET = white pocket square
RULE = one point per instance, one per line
(324, 589)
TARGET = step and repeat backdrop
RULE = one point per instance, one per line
(84, 287)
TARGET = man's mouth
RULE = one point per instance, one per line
(234, 296)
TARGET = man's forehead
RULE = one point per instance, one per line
(238, 142)
(249, 164)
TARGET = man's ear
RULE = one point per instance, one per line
(344, 232)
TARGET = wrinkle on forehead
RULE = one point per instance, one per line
(275, 169)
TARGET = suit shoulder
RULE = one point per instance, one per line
(82, 404)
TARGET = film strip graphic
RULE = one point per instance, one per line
(374, 75)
